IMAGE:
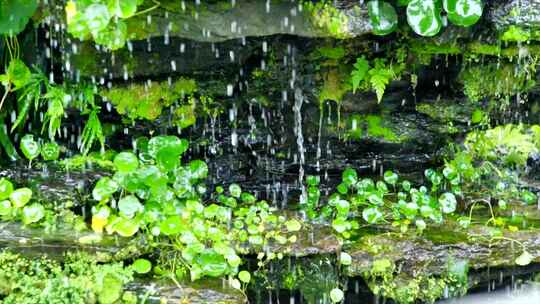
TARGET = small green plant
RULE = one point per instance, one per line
(153, 193)
(92, 132)
(375, 77)
(386, 201)
(79, 279)
(15, 204)
(30, 148)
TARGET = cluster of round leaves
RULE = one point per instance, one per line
(153, 193)
(424, 16)
(387, 200)
(14, 204)
(103, 20)
(32, 149)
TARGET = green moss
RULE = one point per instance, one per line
(329, 52)
(94, 159)
(511, 144)
(494, 80)
(516, 34)
(147, 102)
(383, 279)
(325, 17)
(372, 126)
(334, 86)
(87, 61)
(78, 280)
(432, 48)
(375, 128)
(484, 49)
(442, 236)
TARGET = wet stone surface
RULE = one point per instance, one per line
(52, 184)
(55, 243)
(431, 252)
(200, 292)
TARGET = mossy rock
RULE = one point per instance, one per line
(139, 101)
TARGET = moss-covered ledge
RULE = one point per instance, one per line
(220, 21)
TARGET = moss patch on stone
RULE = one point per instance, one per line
(495, 81)
(371, 126)
(147, 101)
(325, 17)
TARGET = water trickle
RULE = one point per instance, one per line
(297, 109)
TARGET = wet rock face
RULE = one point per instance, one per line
(35, 242)
(54, 185)
(201, 292)
(214, 22)
(431, 252)
(521, 13)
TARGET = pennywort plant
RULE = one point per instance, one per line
(391, 200)
(15, 204)
(156, 195)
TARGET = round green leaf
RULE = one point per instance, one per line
(50, 151)
(409, 209)
(524, 259)
(235, 190)
(390, 177)
(129, 205)
(244, 276)
(20, 197)
(336, 295)
(114, 36)
(5, 208)
(448, 202)
(171, 226)
(18, 73)
(111, 289)
(142, 266)
(424, 17)
(342, 207)
(177, 146)
(349, 176)
(97, 17)
(529, 198)
(198, 169)
(383, 17)
(293, 225)
(6, 188)
(406, 185)
(372, 215)
(33, 213)
(15, 14)
(167, 158)
(122, 8)
(212, 263)
(126, 227)
(104, 188)
(463, 12)
(29, 147)
(313, 180)
(345, 259)
(126, 162)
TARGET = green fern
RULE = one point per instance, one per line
(380, 77)
(92, 132)
(360, 71)
(30, 93)
(55, 111)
